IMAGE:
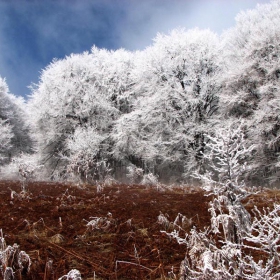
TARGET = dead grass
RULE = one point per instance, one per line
(122, 242)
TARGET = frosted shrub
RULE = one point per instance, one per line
(100, 223)
(134, 174)
(212, 255)
(163, 220)
(264, 237)
(12, 258)
(25, 167)
(80, 165)
(234, 219)
(150, 180)
(180, 223)
(228, 248)
(73, 274)
(8, 274)
(227, 154)
(206, 259)
(87, 167)
(26, 171)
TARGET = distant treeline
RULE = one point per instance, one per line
(148, 115)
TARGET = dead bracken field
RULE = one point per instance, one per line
(106, 233)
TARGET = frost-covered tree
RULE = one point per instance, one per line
(69, 98)
(251, 87)
(74, 107)
(146, 109)
(227, 156)
(15, 132)
(88, 159)
(152, 109)
(176, 96)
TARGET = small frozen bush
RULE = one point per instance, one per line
(134, 174)
(73, 274)
(11, 258)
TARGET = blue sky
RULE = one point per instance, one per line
(33, 32)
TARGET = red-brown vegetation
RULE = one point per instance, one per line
(109, 234)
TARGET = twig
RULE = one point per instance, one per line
(95, 266)
(132, 264)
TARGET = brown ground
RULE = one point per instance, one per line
(124, 240)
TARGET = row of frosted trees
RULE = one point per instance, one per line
(148, 115)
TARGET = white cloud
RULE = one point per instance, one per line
(144, 19)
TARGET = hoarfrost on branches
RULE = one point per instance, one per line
(157, 109)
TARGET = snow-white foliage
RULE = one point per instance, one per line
(5, 138)
(87, 158)
(251, 83)
(109, 105)
(88, 168)
(152, 109)
(228, 157)
(25, 167)
(256, 256)
(177, 96)
(227, 154)
(14, 130)
(76, 107)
